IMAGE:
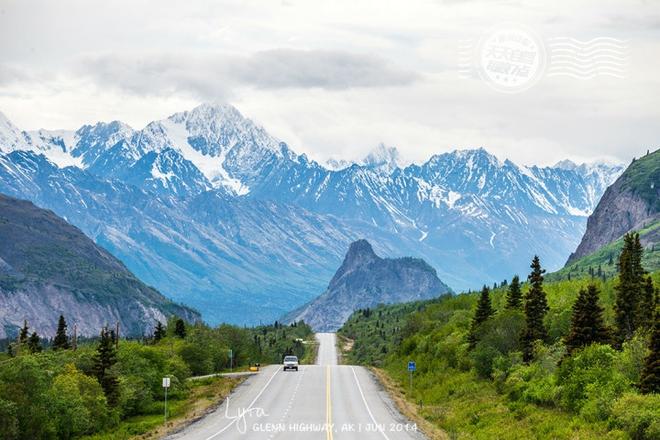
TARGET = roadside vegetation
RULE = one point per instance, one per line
(565, 359)
(112, 389)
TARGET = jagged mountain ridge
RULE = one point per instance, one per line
(246, 229)
(365, 280)
(48, 268)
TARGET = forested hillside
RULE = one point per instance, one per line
(49, 267)
(501, 364)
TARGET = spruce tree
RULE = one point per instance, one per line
(514, 294)
(482, 314)
(104, 359)
(24, 333)
(637, 254)
(587, 326)
(61, 341)
(628, 288)
(536, 307)
(650, 379)
(159, 331)
(180, 328)
(34, 343)
(647, 304)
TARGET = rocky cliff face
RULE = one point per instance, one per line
(632, 202)
(48, 268)
(366, 280)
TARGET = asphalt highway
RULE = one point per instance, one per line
(323, 401)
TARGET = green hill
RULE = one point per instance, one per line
(488, 392)
(49, 267)
(602, 263)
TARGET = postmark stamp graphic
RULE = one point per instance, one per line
(510, 59)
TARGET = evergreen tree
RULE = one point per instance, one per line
(180, 328)
(482, 314)
(514, 294)
(104, 359)
(646, 305)
(24, 333)
(628, 288)
(536, 307)
(34, 343)
(587, 325)
(61, 341)
(650, 379)
(637, 254)
(159, 331)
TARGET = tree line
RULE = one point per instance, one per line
(636, 310)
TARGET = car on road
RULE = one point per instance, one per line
(290, 363)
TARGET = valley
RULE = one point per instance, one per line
(207, 201)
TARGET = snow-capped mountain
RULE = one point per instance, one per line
(213, 211)
(383, 158)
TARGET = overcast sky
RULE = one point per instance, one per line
(334, 78)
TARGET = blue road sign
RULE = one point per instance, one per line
(412, 366)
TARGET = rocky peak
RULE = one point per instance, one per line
(359, 253)
(630, 203)
(366, 280)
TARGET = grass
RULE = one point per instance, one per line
(311, 352)
(603, 261)
(466, 407)
(641, 178)
(205, 395)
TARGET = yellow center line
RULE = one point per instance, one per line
(328, 405)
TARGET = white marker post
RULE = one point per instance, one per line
(231, 360)
(166, 385)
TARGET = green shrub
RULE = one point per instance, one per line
(77, 404)
(8, 420)
(638, 415)
(135, 395)
(482, 357)
(197, 358)
(590, 382)
(532, 383)
(630, 360)
(25, 383)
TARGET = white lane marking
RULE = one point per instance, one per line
(366, 405)
(277, 370)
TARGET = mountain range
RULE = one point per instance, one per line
(48, 268)
(216, 213)
(365, 280)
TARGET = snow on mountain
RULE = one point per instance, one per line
(337, 164)
(11, 138)
(383, 158)
(212, 210)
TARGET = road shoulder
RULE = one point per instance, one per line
(405, 407)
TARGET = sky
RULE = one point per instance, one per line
(335, 79)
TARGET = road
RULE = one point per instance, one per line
(322, 401)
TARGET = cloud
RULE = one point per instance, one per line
(10, 74)
(281, 68)
(215, 75)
